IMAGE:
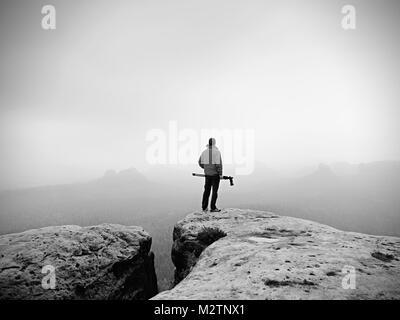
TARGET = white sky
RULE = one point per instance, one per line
(80, 99)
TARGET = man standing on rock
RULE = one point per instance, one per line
(211, 161)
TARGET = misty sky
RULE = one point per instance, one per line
(80, 99)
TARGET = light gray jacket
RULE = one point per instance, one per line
(211, 161)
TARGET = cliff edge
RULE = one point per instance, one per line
(107, 261)
(260, 255)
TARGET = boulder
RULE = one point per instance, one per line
(267, 256)
(107, 261)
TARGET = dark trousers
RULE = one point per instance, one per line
(211, 182)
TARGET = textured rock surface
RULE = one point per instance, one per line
(266, 256)
(100, 262)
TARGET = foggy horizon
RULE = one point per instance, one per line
(163, 174)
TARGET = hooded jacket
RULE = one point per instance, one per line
(211, 161)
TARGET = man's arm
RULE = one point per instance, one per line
(200, 163)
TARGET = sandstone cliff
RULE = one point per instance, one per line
(266, 256)
(99, 262)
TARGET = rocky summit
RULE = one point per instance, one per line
(247, 254)
(70, 262)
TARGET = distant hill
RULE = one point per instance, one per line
(323, 177)
(115, 197)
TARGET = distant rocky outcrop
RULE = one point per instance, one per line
(107, 261)
(128, 176)
(267, 256)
